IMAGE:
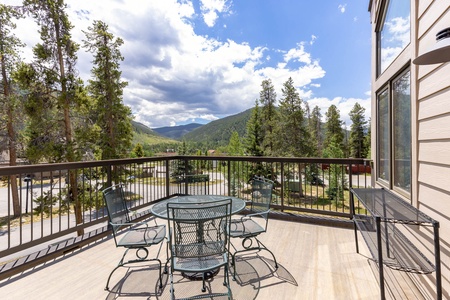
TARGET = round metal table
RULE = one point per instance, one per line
(160, 208)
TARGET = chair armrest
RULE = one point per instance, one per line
(249, 216)
(130, 224)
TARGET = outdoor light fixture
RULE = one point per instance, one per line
(439, 53)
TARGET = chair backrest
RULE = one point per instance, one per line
(116, 206)
(261, 195)
(199, 229)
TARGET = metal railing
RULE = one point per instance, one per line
(46, 208)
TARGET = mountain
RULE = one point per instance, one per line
(218, 132)
(176, 132)
(144, 135)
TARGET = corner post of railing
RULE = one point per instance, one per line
(437, 257)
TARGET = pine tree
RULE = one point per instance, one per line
(315, 128)
(293, 138)
(333, 126)
(254, 135)
(106, 87)
(55, 103)
(269, 117)
(358, 129)
(9, 49)
(235, 148)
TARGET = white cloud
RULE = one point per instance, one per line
(211, 8)
(344, 105)
(342, 7)
(175, 75)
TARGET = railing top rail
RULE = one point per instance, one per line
(22, 169)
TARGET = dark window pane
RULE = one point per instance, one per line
(383, 136)
(401, 103)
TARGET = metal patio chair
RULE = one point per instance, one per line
(198, 240)
(128, 234)
(246, 228)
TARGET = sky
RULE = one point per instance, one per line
(201, 60)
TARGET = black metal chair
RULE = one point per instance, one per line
(137, 235)
(246, 228)
(198, 239)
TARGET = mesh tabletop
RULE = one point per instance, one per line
(160, 209)
(390, 207)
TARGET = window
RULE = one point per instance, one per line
(393, 35)
(394, 133)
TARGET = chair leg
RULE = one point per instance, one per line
(260, 247)
(203, 282)
(120, 264)
(109, 277)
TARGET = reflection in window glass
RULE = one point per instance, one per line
(401, 104)
(383, 136)
(394, 34)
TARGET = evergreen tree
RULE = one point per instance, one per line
(293, 138)
(333, 126)
(337, 180)
(138, 150)
(269, 117)
(52, 106)
(254, 135)
(106, 87)
(9, 97)
(315, 128)
(235, 148)
(56, 102)
(358, 129)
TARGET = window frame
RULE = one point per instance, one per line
(380, 24)
(389, 183)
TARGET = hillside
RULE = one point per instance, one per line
(146, 136)
(218, 132)
(176, 132)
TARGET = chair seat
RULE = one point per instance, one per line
(199, 264)
(144, 236)
(245, 228)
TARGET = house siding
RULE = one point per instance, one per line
(430, 113)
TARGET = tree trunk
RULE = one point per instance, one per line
(11, 139)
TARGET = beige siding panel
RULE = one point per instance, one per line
(435, 129)
(423, 5)
(434, 82)
(437, 105)
(435, 152)
(436, 204)
(431, 23)
(437, 176)
(434, 12)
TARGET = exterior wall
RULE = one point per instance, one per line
(430, 116)
(433, 134)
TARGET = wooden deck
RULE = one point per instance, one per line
(315, 262)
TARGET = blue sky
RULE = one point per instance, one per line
(197, 61)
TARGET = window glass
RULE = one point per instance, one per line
(394, 33)
(383, 136)
(401, 108)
